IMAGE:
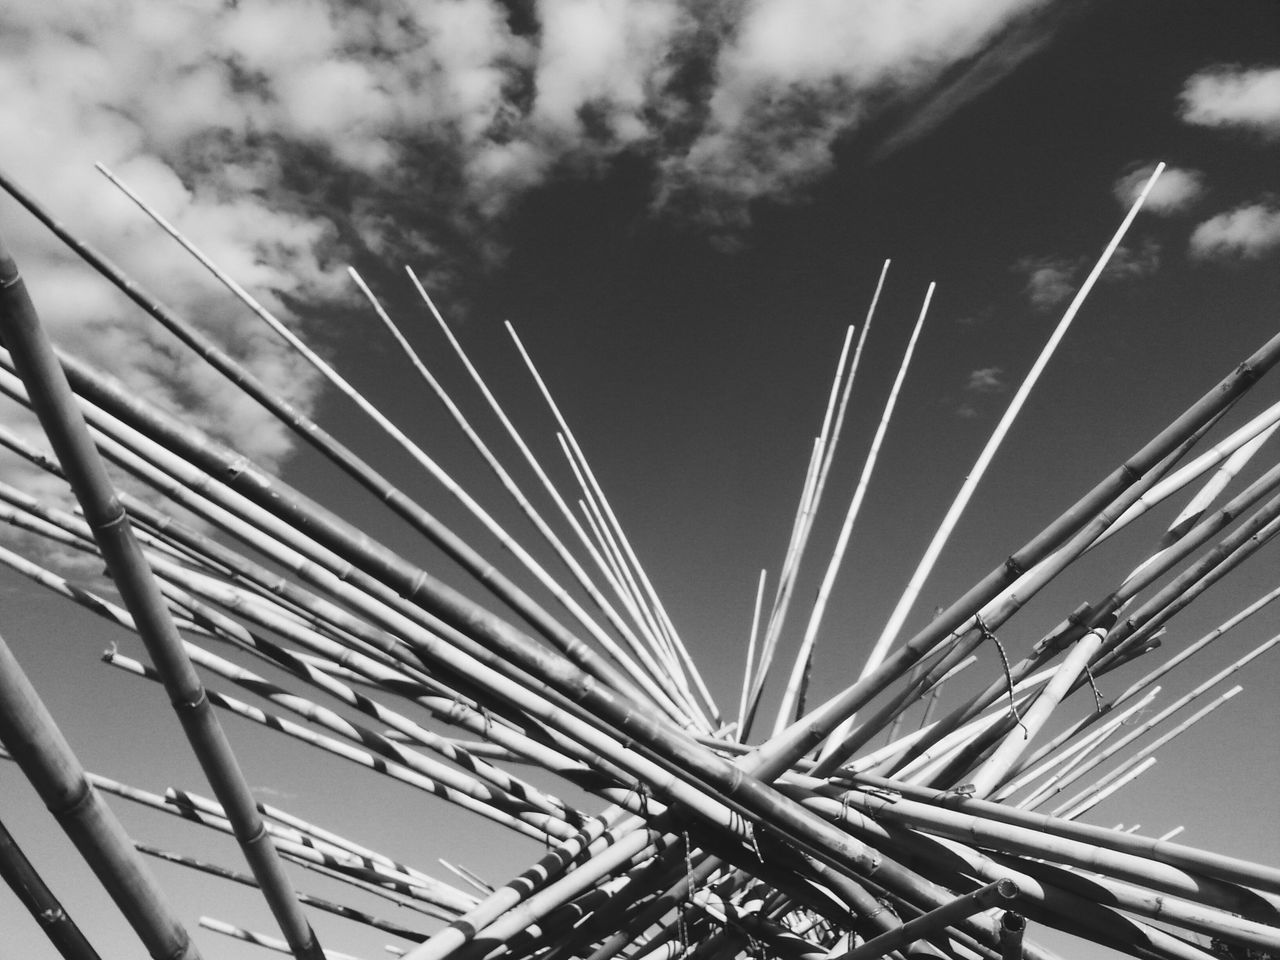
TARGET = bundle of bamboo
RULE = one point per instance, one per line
(682, 837)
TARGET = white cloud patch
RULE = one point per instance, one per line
(1176, 189)
(1248, 232)
(796, 75)
(1050, 280)
(1234, 97)
(283, 135)
(986, 380)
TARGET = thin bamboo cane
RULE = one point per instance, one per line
(367, 759)
(846, 528)
(523, 447)
(786, 584)
(584, 619)
(999, 893)
(1144, 682)
(975, 474)
(1152, 747)
(1192, 512)
(41, 902)
(409, 511)
(1232, 869)
(1083, 518)
(1189, 916)
(632, 596)
(785, 589)
(1027, 842)
(68, 435)
(338, 909)
(747, 670)
(504, 477)
(1073, 754)
(999, 608)
(1097, 796)
(991, 772)
(261, 939)
(650, 593)
(1162, 715)
(1195, 469)
(34, 741)
(1240, 539)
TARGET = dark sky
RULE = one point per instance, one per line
(687, 313)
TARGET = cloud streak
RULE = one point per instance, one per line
(283, 137)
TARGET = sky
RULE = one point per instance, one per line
(680, 207)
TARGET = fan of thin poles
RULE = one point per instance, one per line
(845, 833)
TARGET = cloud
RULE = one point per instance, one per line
(796, 75)
(285, 137)
(1050, 280)
(1053, 280)
(1234, 97)
(986, 380)
(1176, 189)
(1248, 232)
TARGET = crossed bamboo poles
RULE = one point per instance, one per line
(708, 846)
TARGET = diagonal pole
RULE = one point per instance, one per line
(64, 425)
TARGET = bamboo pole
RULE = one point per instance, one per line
(261, 939)
(645, 681)
(846, 528)
(1012, 746)
(41, 902)
(515, 436)
(1000, 893)
(1160, 717)
(68, 435)
(975, 474)
(1192, 512)
(34, 741)
(1154, 746)
(337, 909)
(650, 593)
(1095, 797)
(751, 656)
(786, 584)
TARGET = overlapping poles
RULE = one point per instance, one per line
(52, 399)
(709, 845)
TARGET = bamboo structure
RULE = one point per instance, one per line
(662, 829)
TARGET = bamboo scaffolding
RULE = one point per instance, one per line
(709, 848)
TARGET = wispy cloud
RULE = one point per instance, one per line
(1053, 280)
(1248, 232)
(796, 75)
(986, 380)
(1234, 97)
(1049, 280)
(1176, 189)
(284, 136)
